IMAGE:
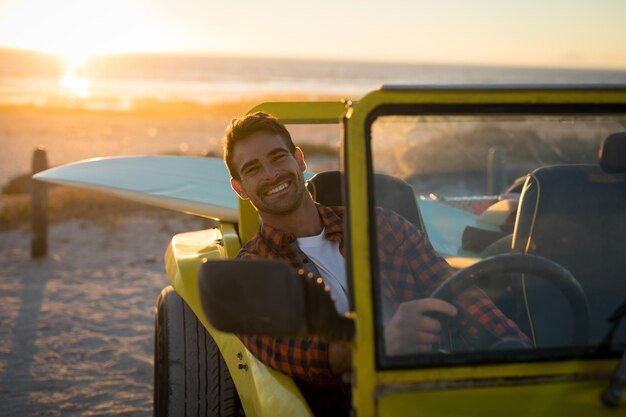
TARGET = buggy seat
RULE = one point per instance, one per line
(575, 215)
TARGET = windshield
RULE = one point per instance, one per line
(492, 185)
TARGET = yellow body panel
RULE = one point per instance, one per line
(248, 221)
(515, 370)
(263, 391)
(556, 399)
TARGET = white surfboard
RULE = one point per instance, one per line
(445, 226)
(194, 185)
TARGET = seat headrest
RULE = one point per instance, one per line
(613, 153)
(391, 192)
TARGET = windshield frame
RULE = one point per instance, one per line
(416, 361)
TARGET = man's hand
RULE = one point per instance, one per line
(411, 331)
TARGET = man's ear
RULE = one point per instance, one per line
(236, 185)
(300, 158)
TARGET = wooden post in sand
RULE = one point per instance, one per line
(39, 207)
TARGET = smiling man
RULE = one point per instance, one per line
(267, 168)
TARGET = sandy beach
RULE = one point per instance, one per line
(76, 328)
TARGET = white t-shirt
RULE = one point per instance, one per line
(325, 255)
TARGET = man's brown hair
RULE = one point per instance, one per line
(243, 127)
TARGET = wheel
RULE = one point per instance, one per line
(498, 265)
(190, 376)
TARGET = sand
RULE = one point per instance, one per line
(76, 328)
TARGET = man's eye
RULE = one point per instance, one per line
(251, 171)
(280, 157)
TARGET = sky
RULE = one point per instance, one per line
(540, 33)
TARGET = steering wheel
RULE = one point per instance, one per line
(543, 268)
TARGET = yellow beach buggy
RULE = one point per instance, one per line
(522, 189)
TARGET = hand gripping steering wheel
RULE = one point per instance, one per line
(543, 268)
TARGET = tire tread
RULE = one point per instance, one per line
(190, 376)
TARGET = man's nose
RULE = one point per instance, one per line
(270, 171)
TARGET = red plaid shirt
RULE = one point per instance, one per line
(409, 267)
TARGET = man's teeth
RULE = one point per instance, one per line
(277, 188)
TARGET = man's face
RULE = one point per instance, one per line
(269, 175)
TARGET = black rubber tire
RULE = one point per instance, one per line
(190, 376)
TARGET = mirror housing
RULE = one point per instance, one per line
(269, 298)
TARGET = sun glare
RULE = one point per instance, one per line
(72, 79)
(79, 86)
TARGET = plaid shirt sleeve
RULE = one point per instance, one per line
(304, 358)
(400, 241)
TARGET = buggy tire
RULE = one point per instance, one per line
(190, 375)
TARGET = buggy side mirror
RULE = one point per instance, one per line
(268, 298)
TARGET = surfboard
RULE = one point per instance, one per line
(445, 226)
(193, 185)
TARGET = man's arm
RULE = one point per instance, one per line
(304, 358)
(430, 270)
(310, 359)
